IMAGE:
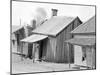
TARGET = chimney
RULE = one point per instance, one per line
(54, 12)
(33, 23)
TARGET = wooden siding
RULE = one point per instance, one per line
(90, 57)
(90, 50)
(25, 48)
(94, 57)
(21, 47)
(64, 50)
(44, 48)
(19, 35)
(51, 49)
(14, 45)
(57, 49)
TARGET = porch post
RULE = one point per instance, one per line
(69, 55)
(37, 51)
(93, 58)
(33, 51)
(22, 50)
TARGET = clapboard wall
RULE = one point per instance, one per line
(56, 48)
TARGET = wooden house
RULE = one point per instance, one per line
(51, 36)
(84, 43)
(19, 33)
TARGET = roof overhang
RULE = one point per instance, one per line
(54, 26)
(82, 41)
(34, 38)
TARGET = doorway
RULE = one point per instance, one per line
(42, 49)
(30, 48)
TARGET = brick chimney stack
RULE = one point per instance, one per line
(54, 12)
(33, 23)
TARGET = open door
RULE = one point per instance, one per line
(30, 48)
(42, 49)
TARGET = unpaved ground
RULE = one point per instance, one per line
(27, 65)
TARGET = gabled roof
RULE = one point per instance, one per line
(87, 27)
(54, 25)
(16, 28)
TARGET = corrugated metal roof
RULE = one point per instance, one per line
(54, 25)
(15, 28)
(82, 41)
(87, 27)
(34, 38)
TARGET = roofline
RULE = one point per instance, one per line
(91, 33)
(83, 24)
(44, 34)
(80, 44)
(89, 19)
(17, 30)
(69, 24)
(74, 18)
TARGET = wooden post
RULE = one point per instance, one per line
(69, 55)
(33, 51)
(22, 50)
(93, 57)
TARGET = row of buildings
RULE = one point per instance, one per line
(60, 39)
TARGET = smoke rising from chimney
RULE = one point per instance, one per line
(40, 15)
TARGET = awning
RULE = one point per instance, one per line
(82, 41)
(34, 38)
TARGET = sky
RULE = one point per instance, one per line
(24, 12)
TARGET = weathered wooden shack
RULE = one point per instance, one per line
(84, 43)
(51, 36)
(16, 35)
(19, 33)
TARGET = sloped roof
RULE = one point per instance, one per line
(82, 41)
(34, 38)
(15, 28)
(87, 27)
(54, 25)
(13, 37)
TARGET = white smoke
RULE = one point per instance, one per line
(40, 15)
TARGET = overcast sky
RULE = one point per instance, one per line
(25, 11)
